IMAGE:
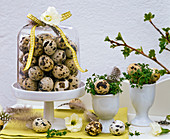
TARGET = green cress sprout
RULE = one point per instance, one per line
(143, 76)
(114, 86)
(53, 133)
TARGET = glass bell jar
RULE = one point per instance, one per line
(52, 66)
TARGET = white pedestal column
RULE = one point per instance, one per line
(57, 123)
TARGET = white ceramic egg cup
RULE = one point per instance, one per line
(105, 107)
(142, 100)
(49, 98)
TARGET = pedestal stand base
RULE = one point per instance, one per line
(141, 121)
(105, 125)
(58, 124)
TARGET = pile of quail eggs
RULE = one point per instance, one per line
(52, 67)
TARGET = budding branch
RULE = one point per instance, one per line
(141, 52)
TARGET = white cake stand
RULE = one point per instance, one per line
(49, 98)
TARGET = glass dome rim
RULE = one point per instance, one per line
(64, 26)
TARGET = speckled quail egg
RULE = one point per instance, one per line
(61, 85)
(41, 125)
(38, 49)
(102, 87)
(60, 71)
(38, 39)
(43, 36)
(93, 128)
(49, 46)
(21, 80)
(1, 124)
(29, 84)
(46, 84)
(45, 63)
(73, 82)
(35, 73)
(24, 44)
(155, 75)
(60, 43)
(25, 57)
(69, 53)
(132, 68)
(21, 58)
(117, 127)
(59, 57)
(72, 67)
(24, 74)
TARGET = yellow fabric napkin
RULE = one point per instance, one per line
(15, 130)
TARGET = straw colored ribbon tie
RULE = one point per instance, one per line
(74, 53)
(64, 16)
(33, 18)
(32, 45)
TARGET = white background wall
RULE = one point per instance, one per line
(94, 20)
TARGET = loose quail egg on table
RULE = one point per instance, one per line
(93, 128)
(41, 125)
(117, 128)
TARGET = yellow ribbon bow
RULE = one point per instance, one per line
(64, 16)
